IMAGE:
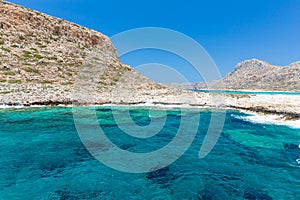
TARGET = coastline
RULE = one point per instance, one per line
(284, 106)
(291, 120)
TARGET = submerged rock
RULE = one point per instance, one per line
(163, 176)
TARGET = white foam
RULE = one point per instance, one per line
(37, 106)
(269, 119)
(149, 103)
(4, 106)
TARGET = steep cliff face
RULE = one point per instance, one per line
(257, 74)
(41, 56)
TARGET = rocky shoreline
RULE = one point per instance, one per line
(286, 106)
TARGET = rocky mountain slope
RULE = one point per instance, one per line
(256, 75)
(40, 58)
(259, 75)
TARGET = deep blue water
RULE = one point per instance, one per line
(249, 92)
(42, 157)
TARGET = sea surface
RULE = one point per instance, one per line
(249, 92)
(42, 157)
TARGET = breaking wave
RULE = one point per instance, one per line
(268, 119)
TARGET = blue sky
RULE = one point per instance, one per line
(230, 30)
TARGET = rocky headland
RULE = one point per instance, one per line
(40, 57)
(49, 61)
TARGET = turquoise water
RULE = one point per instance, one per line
(249, 92)
(42, 157)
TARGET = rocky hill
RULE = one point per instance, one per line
(40, 57)
(259, 75)
(256, 75)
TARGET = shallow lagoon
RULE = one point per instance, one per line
(42, 157)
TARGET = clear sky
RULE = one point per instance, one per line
(230, 30)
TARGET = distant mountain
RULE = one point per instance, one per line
(255, 74)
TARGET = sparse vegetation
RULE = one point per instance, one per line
(5, 92)
(45, 52)
(9, 73)
(5, 68)
(21, 37)
(52, 38)
(5, 49)
(43, 63)
(46, 82)
(53, 58)
(116, 79)
(67, 83)
(14, 81)
(1, 42)
(27, 54)
(31, 35)
(26, 63)
(31, 70)
(38, 56)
